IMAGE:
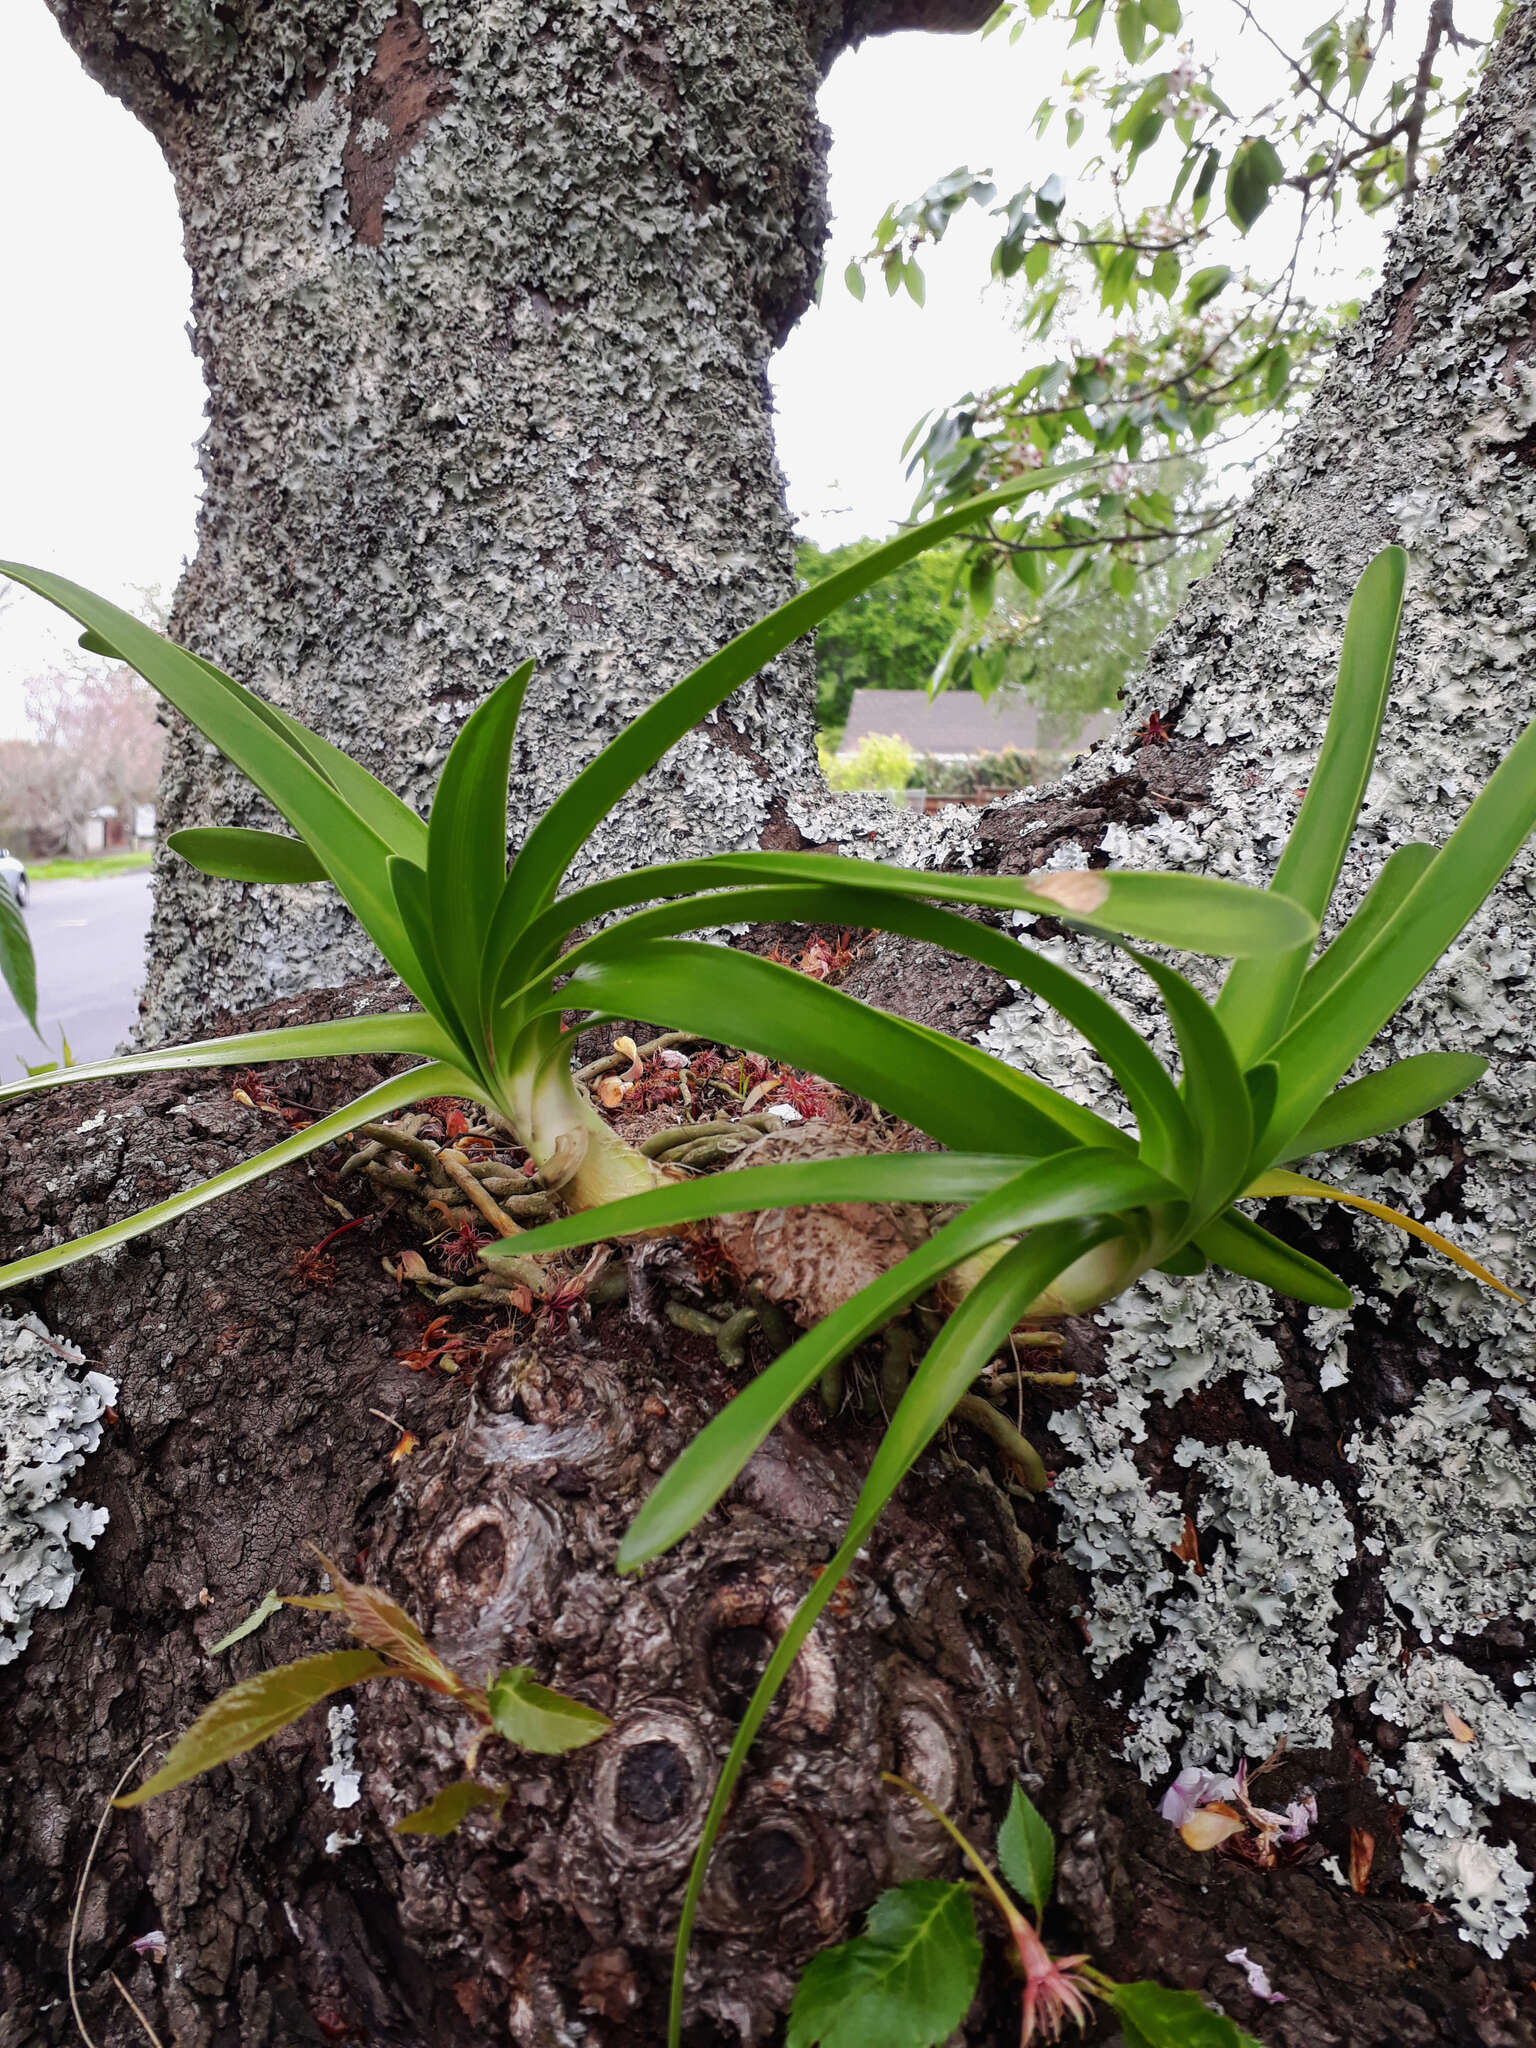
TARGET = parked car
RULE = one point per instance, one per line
(13, 876)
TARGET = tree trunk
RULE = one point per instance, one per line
(1362, 1490)
(484, 295)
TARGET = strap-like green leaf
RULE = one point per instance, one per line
(1257, 999)
(233, 854)
(1167, 1134)
(1214, 1088)
(467, 842)
(1242, 1246)
(1200, 913)
(961, 1095)
(1070, 1185)
(1324, 1045)
(395, 1031)
(863, 1177)
(571, 819)
(956, 1356)
(1400, 874)
(1386, 1101)
(251, 1711)
(414, 908)
(431, 1079)
(253, 737)
(18, 969)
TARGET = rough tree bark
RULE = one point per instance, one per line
(1363, 1490)
(484, 296)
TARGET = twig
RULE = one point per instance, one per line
(85, 1878)
(456, 1167)
(132, 2005)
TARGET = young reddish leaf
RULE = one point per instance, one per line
(251, 1711)
(535, 1718)
(384, 1625)
(447, 1807)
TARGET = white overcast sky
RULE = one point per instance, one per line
(101, 399)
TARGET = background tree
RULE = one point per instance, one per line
(1159, 332)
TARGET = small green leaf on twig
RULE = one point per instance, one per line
(905, 1982)
(270, 1603)
(1026, 1851)
(535, 1718)
(1152, 2016)
(447, 1807)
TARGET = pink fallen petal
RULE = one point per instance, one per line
(1300, 1818)
(1258, 1977)
(1191, 1788)
(669, 1058)
(152, 1945)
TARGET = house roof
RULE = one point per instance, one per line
(959, 724)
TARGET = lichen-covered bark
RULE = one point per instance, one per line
(1362, 1489)
(255, 1412)
(484, 296)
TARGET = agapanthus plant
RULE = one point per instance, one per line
(1061, 1210)
(480, 947)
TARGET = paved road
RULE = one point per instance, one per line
(89, 942)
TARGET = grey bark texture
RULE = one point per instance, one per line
(484, 296)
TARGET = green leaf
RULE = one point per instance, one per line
(1252, 175)
(236, 855)
(400, 1031)
(449, 1806)
(249, 1712)
(1400, 874)
(548, 1723)
(431, 1079)
(958, 1093)
(905, 1982)
(278, 756)
(1215, 1090)
(1166, 271)
(1161, 2018)
(575, 814)
(413, 905)
(1130, 28)
(270, 1604)
(1205, 284)
(957, 1354)
(1237, 1243)
(853, 277)
(1199, 200)
(862, 1177)
(1026, 1851)
(467, 844)
(1071, 1185)
(1386, 1101)
(1333, 1034)
(1164, 15)
(18, 969)
(1167, 1135)
(1199, 913)
(1258, 996)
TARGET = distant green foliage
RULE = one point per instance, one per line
(880, 761)
(891, 638)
